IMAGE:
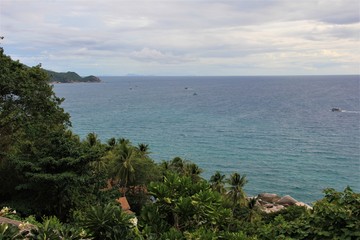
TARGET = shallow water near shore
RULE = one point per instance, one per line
(279, 131)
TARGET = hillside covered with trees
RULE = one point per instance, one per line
(54, 185)
(69, 77)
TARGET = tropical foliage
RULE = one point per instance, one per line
(107, 222)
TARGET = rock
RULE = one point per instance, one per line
(275, 208)
(286, 200)
(10, 221)
(301, 204)
(269, 205)
(269, 197)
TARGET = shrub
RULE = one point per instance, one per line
(108, 222)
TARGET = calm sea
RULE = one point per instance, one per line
(279, 131)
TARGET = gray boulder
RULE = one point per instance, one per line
(269, 197)
(301, 204)
(287, 201)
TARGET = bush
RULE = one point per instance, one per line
(8, 231)
(108, 222)
(52, 228)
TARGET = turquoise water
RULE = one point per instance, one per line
(279, 131)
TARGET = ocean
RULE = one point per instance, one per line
(278, 130)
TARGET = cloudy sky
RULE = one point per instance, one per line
(188, 37)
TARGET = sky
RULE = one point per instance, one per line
(187, 37)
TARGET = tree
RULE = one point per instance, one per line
(28, 106)
(183, 168)
(92, 139)
(143, 150)
(217, 182)
(336, 216)
(131, 165)
(177, 165)
(184, 205)
(193, 171)
(235, 190)
(53, 175)
(111, 142)
(123, 163)
(41, 162)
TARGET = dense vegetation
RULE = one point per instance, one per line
(63, 187)
(69, 77)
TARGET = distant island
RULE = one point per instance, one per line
(69, 77)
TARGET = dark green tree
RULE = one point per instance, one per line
(193, 171)
(236, 189)
(123, 164)
(184, 205)
(28, 106)
(336, 216)
(111, 142)
(182, 167)
(143, 150)
(41, 162)
(217, 182)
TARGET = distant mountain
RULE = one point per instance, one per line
(70, 77)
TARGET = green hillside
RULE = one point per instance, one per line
(70, 77)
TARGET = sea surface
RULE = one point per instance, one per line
(279, 131)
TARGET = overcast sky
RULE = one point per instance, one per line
(188, 37)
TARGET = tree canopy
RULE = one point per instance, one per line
(40, 159)
(28, 106)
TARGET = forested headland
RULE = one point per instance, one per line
(69, 77)
(54, 185)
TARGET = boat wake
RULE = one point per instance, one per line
(336, 109)
(346, 111)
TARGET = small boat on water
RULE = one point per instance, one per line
(336, 109)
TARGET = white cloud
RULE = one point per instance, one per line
(153, 55)
(205, 36)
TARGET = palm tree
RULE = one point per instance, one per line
(178, 165)
(124, 140)
(111, 142)
(236, 192)
(124, 169)
(165, 165)
(217, 182)
(192, 170)
(143, 150)
(253, 210)
(92, 139)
